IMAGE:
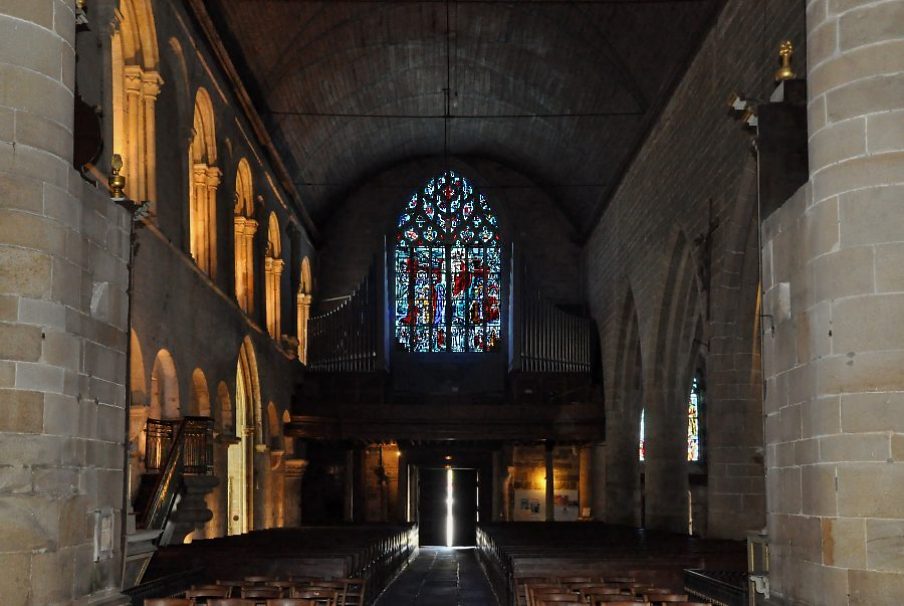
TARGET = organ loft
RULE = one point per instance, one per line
(477, 302)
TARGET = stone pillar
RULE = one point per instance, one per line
(214, 176)
(403, 499)
(295, 469)
(585, 490)
(550, 482)
(833, 344)
(598, 482)
(62, 353)
(133, 162)
(350, 472)
(150, 89)
(498, 486)
(198, 216)
(191, 513)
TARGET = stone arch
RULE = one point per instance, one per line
(205, 179)
(138, 384)
(666, 478)
(274, 430)
(241, 501)
(247, 368)
(303, 301)
(273, 268)
(164, 401)
(136, 84)
(224, 417)
(200, 394)
(245, 228)
(623, 414)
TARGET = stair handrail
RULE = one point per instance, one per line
(169, 481)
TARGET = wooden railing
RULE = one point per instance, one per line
(346, 339)
(174, 448)
(553, 340)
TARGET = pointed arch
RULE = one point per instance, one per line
(303, 301)
(138, 384)
(273, 269)
(667, 380)
(136, 84)
(248, 430)
(623, 417)
(205, 179)
(245, 228)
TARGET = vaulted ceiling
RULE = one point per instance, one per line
(563, 91)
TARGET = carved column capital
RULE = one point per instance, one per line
(295, 468)
(151, 82)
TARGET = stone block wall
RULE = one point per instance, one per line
(651, 287)
(833, 344)
(63, 329)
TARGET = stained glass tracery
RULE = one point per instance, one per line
(694, 402)
(447, 266)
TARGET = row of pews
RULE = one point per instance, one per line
(614, 563)
(268, 591)
(355, 562)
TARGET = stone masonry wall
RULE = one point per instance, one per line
(63, 335)
(832, 275)
(695, 167)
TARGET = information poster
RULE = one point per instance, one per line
(567, 507)
(530, 505)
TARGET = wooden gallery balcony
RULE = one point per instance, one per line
(540, 384)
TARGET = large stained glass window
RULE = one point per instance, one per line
(694, 404)
(447, 270)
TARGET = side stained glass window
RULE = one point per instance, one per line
(447, 270)
(694, 404)
(643, 446)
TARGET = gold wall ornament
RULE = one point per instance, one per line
(786, 53)
(117, 181)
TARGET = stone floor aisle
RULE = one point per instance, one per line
(440, 576)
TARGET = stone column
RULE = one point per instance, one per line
(295, 469)
(833, 344)
(214, 176)
(598, 482)
(198, 216)
(133, 161)
(350, 471)
(550, 482)
(248, 244)
(403, 499)
(498, 486)
(150, 89)
(62, 355)
(585, 489)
